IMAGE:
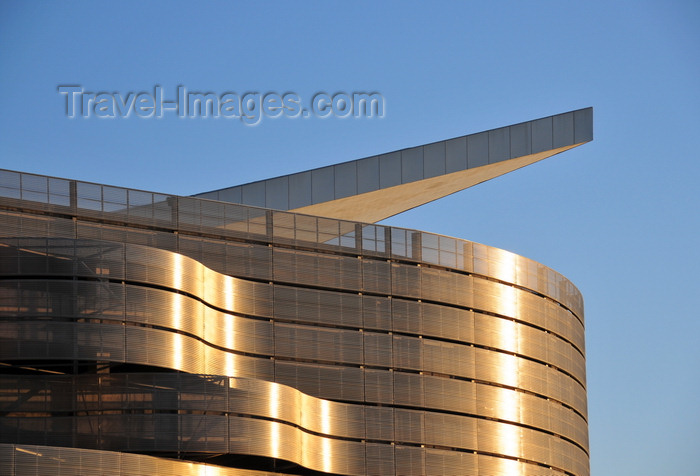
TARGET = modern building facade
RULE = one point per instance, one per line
(273, 327)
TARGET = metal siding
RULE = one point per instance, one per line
(345, 179)
(277, 193)
(368, 175)
(455, 154)
(541, 135)
(583, 125)
(412, 164)
(477, 150)
(484, 353)
(520, 140)
(499, 145)
(389, 170)
(434, 159)
(300, 190)
(322, 185)
(563, 130)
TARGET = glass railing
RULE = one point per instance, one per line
(25, 191)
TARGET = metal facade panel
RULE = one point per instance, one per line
(300, 190)
(405, 280)
(408, 389)
(410, 461)
(412, 164)
(499, 145)
(474, 337)
(408, 352)
(389, 170)
(563, 130)
(322, 185)
(376, 276)
(380, 423)
(583, 125)
(448, 358)
(379, 459)
(450, 462)
(368, 174)
(277, 193)
(376, 313)
(521, 139)
(477, 150)
(542, 135)
(409, 425)
(406, 316)
(448, 322)
(254, 194)
(345, 179)
(434, 159)
(450, 430)
(378, 349)
(455, 154)
(187, 217)
(379, 386)
(233, 195)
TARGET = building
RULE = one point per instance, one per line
(274, 328)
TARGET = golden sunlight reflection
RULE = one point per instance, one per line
(177, 311)
(508, 408)
(177, 351)
(326, 429)
(507, 300)
(274, 426)
(206, 470)
(273, 409)
(177, 325)
(229, 285)
(229, 326)
(326, 454)
(505, 269)
(505, 264)
(274, 439)
(507, 340)
(230, 365)
(326, 417)
(508, 467)
(177, 270)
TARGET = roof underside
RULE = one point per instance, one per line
(374, 188)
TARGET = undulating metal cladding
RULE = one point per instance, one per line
(143, 333)
(21, 460)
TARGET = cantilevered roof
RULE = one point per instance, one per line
(377, 187)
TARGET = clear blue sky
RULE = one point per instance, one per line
(618, 216)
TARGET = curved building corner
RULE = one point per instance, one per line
(274, 328)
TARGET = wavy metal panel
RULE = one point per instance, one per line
(206, 322)
(447, 322)
(438, 461)
(410, 460)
